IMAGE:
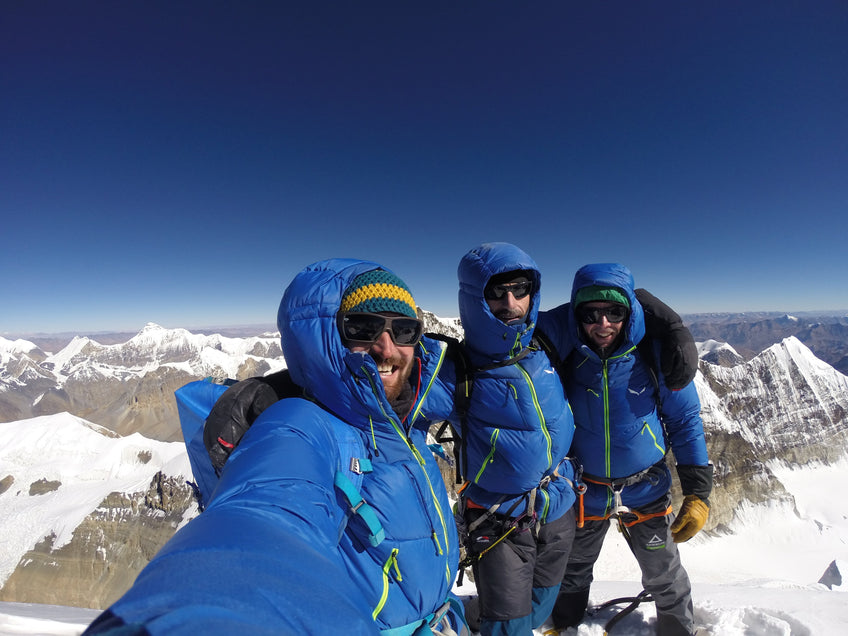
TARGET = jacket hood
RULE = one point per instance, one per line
(611, 275)
(312, 346)
(488, 339)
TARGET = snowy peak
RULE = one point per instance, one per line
(784, 406)
(792, 350)
(16, 349)
(719, 353)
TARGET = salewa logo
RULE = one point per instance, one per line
(655, 543)
(636, 392)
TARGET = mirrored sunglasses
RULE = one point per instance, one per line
(364, 328)
(518, 290)
(591, 315)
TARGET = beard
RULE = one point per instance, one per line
(507, 315)
(395, 384)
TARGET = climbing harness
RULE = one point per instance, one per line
(618, 510)
(505, 523)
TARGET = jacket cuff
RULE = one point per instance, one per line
(696, 480)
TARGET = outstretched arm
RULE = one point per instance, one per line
(678, 355)
(263, 557)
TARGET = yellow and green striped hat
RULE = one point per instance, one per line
(376, 291)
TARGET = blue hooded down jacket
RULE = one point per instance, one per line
(278, 550)
(620, 431)
(519, 425)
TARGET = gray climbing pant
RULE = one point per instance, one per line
(663, 575)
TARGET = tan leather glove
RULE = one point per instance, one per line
(691, 518)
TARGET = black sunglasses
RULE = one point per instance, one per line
(518, 290)
(591, 315)
(364, 328)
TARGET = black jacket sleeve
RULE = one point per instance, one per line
(679, 355)
(696, 480)
(237, 409)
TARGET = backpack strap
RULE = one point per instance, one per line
(464, 386)
(542, 341)
(645, 347)
(348, 480)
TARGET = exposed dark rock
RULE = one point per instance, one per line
(832, 577)
(43, 486)
(107, 551)
(6, 483)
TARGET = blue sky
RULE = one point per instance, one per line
(179, 162)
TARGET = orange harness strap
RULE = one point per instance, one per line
(640, 517)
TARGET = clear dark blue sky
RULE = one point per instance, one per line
(178, 162)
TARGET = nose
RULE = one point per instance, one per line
(383, 346)
(511, 301)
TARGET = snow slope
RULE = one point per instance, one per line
(84, 463)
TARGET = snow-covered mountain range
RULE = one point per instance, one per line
(125, 387)
(93, 479)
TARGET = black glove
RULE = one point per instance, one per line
(678, 353)
(696, 480)
(237, 409)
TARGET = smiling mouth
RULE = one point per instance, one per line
(386, 369)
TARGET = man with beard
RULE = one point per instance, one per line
(518, 501)
(288, 543)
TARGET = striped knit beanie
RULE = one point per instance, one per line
(376, 291)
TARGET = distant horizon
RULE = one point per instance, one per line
(273, 326)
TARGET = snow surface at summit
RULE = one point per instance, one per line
(762, 580)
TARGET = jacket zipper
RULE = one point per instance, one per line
(421, 462)
(542, 423)
(391, 563)
(493, 443)
(607, 434)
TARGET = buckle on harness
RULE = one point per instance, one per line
(619, 508)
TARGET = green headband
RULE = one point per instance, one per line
(597, 293)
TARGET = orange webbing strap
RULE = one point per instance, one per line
(640, 517)
(581, 514)
(596, 481)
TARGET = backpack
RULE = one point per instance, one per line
(195, 401)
